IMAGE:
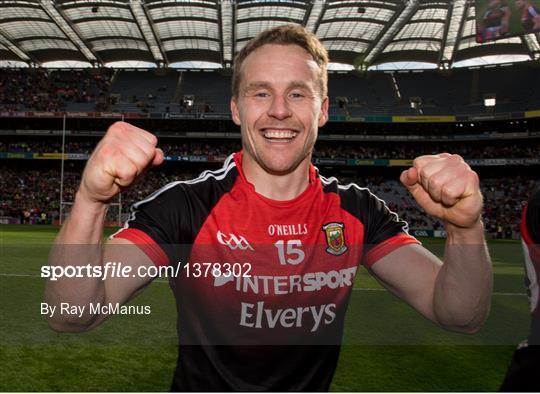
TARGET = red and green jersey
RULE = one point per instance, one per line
(265, 284)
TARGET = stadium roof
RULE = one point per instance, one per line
(164, 32)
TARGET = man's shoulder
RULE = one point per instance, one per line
(357, 200)
(222, 178)
(208, 183)
(344, 189)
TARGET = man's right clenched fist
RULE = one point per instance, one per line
(123, 154)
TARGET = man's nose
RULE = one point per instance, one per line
(279, 108)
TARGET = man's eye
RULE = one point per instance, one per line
(262, 94)
(297, 95)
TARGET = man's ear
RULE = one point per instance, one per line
(323, 115)
(234, 111)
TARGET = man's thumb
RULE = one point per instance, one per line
(409, 178)
(158, 158)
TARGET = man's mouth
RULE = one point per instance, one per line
(279, 135)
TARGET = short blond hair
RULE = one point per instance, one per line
(285, 35)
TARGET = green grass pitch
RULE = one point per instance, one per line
(387, 345)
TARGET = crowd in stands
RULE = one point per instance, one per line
(44, 90)
(27, 195)
(408, 150)
(374, 93)
(326, 150)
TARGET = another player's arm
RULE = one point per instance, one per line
(505, 20)
(121, 156)
(536, 22)
(455, 294)
(531, 219)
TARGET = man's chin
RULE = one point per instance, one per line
(280, 168)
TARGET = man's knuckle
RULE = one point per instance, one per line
(435, 183)
(456, 158)
(126, 169)
(116, 127)
(417, 161)
(449, 191)
(148, 150)
(153, 139)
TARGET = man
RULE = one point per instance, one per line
(494, 21)
(522, 374)
(296, 237)
(530, 15)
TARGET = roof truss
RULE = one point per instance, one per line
(168, 31)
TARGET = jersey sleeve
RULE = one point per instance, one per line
(155, 224)
(165, 224)
(384, 231)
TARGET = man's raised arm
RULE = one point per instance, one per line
(455, 294)
(123, 155)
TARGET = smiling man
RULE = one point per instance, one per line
(287, 242)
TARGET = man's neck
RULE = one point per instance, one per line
(276, 187)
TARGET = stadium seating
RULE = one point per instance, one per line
(38, 190)
(27, 192)
(157, 91)
(144, 91)
(327, 149)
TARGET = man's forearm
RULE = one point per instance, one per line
(78, 243)
(462, 296)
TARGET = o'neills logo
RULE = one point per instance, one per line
(287, 229)
(335, 238)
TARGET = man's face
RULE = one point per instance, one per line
(279, 107)
(520, 4)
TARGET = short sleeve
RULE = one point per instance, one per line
(384, 231)
(154, 224)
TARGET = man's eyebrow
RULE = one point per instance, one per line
(299, 85)
(266, 85)
(256, 85)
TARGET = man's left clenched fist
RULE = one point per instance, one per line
(445, 187)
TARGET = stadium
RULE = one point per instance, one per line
(406, 78)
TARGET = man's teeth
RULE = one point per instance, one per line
(280, 134)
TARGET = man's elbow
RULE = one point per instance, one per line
(466, 329)
(69, 325)
(466, 326)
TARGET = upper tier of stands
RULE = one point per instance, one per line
(135, 91)
(449, 92)
(83, 90)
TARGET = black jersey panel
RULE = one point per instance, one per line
(379, 222)
(174, 215)
(270, 368)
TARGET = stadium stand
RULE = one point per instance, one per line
(25, 194)
(54, 90)
(455, 92)
(324, 149)
(355, 94)
(144, 91)
(211, 91)
(31, 187)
